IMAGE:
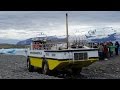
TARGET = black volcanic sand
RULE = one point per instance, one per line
(14, 67)
(104, 69)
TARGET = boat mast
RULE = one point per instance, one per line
(67, 28)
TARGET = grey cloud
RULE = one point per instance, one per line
(42, 19)
(95, 17)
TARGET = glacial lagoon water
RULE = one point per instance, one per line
(14, 51)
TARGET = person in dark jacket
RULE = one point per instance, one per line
(100, 51)
(117, 47)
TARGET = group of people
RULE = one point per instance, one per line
(107, 49)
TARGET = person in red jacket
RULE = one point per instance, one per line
(105, 51)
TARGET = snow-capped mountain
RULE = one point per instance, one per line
(49, 38)
(104, 34)
(95, 35)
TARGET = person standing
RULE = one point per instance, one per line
(117, 47)
(100, 50)
(105, 52)
(111, 49)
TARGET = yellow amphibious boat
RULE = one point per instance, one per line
(41, 55)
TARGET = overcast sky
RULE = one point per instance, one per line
(26, 24)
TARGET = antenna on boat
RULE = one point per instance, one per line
(67, 28)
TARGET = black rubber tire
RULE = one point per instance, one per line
(45, 67)
(29, 66)
(76, 71)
